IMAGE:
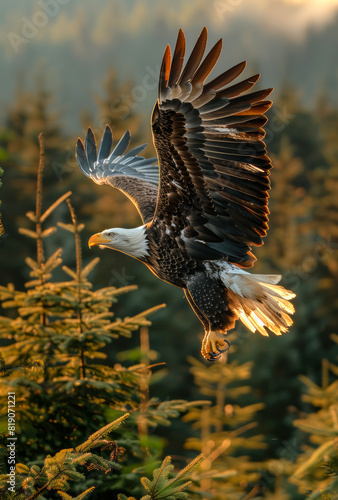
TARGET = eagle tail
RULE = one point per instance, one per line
(260, 303)
(220, 298)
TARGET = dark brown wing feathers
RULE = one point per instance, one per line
(214, 171)
(164, 73)
(195, 57)
(178, 59)
(239, 88)
(208, 64)
(226, 77)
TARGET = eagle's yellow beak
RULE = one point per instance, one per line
(97, 239)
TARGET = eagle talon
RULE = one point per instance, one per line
(226, 348)
(213, 346)
(213, 356)
(212, 360)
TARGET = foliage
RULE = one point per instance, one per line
(316, 471)
(31, 114)
(57, 472)
(64, 342)
(55, 362)
(162, 486)
(224, 428)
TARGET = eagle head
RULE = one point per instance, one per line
(132, 242)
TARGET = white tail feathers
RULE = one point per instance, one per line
(259, 302)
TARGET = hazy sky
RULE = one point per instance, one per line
(106, 18)
(76, 41)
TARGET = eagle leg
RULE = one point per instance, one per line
(209, 300)
(212, 345)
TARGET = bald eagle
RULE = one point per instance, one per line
(206, 201)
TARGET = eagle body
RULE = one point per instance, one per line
(166, 259)
(204, 205)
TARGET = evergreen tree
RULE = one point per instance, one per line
(57, 472)
(31, 113)
(225, 429)
(290, 206)
(324, 194)
(316, 473)
(288, 119)
(54, 363)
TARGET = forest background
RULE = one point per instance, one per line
(68, 65)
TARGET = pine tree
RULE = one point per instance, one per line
(224, 429)
(56, 362)
(316, 473)
(57, 472)
(31, 113)
(324, 182)
(298, 125)
(285, 245)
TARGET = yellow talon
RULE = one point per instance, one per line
(214, 345)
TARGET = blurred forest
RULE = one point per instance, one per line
(81, 353)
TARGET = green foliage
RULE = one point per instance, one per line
(58, 471)
(171, 489)
(31, 114)
(224, 428)
(163, 486)
(57, 337)
(55, 362)
(317, 466)
(63, 340)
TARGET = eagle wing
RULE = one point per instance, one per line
(135, 176)
(214, 171)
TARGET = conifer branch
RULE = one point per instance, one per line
(220, 397)
(144, 381)
(78, 251)
(40, 251)
(95, 438)
(78, 257)
(161, 487)
(55, 205)
(57, 471)
(82, 495)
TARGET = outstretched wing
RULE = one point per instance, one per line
(135, 176)
(214, 171)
